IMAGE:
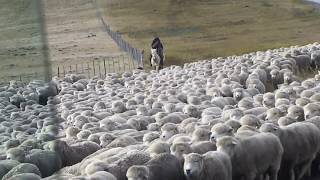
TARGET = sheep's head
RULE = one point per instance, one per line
(296, 112)
(17, 154)
(168, 130)
(138, 173)
(219, 130)
(193, 165)
(227, 144)
(270, 128)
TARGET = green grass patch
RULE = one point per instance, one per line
(200, 29)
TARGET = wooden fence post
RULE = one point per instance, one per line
(123, 63)
(76, 68)
(94, 68)
(99, 68)
(88, 70)
(113, 65)
(119, 64)
(58, 71)
(104, 67)
(64, 71)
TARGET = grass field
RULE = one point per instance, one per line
(200, 29)
(20, 40)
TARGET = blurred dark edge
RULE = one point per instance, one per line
(44, 40)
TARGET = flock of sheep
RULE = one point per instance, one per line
(242, 117)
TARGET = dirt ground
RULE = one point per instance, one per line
(75, 33)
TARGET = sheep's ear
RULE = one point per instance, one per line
(184, 156)
(173, 148)
(234, 142)
(210, 133)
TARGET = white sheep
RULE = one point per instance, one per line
(212, 165)
(163, 166)
(301, 134)
(254, 165)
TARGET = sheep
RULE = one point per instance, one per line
(250, 167)
(22, 168)
(178, 149)
(273, 115)
(235, 125)
(102, 175)
(212, 165)
(295, 135)
(285, 121)
(168, 130)
(72, 154)
(250, 120)
(268, 100)
(311, 110)
(171, 118)
(163, 166)
(150, 137)
(25, 176)
(203, 147)
(200, 134)
(246, 131)
(158, 147)
(220, 130)
(296, 112)
(48, 162)
(6, 166)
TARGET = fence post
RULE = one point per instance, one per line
(94, 69)
(113, 65)
(76, 68)
(58, 71)
(104, 67)
(123, 63)
(82, 66)
(99, 69)
(88, 70)
(64, 71)
(70, 71)
(119, 64)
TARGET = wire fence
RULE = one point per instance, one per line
(96, 67)
(135, 53)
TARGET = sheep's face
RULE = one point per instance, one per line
(219, 130)
(15, 154)
(270, 128)
(138, 173)
(296, 113)
(287, 77)
(311, 110)
(166, 134)
(193, 165)
(274, 74)
(237, 94)
(268, 100)
(272, 114)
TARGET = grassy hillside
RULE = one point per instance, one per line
(199, 29)
(20, 40)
